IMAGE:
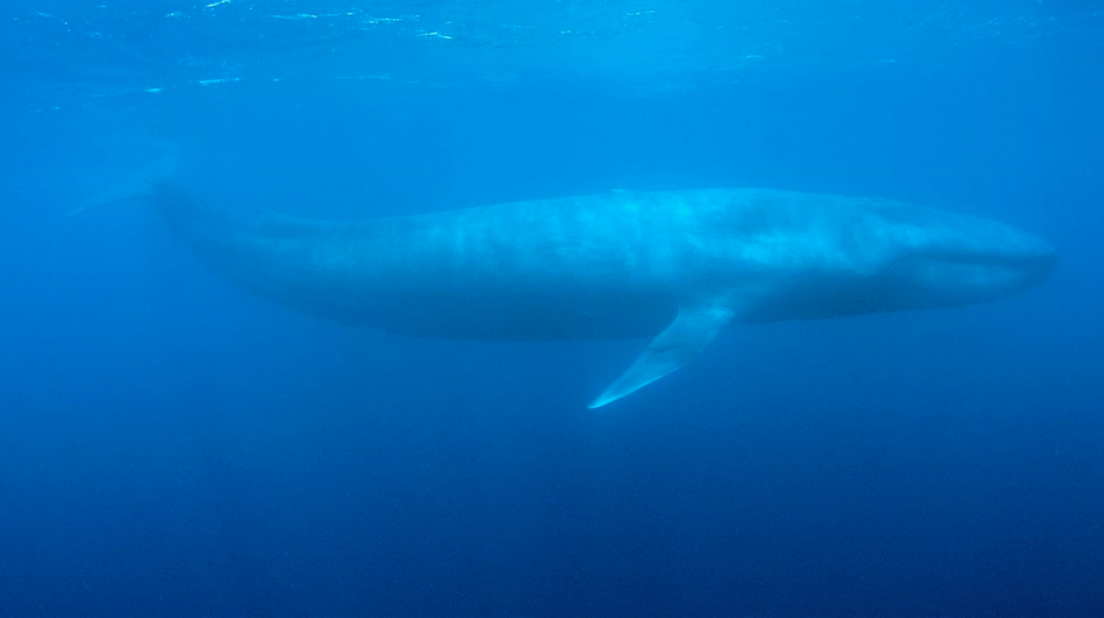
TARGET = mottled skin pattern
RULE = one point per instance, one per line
(619, 264)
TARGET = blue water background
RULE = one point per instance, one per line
(170, 446)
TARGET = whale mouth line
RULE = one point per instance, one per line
(1008, 271)
(1040, 258)
(1025, 263)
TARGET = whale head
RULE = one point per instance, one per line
(940, 259)
(852, 256)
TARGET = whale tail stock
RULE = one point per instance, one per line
(144, 184)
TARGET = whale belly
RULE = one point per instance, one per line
(517, 317)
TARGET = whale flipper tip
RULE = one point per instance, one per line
(694, 328)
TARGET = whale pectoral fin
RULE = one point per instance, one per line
(693, 329)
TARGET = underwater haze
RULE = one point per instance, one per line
(171, 445)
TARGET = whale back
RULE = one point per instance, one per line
(569, 268)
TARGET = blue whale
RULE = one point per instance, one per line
(678, 266)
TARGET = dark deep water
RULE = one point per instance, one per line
(170, 446)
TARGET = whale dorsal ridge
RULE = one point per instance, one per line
(695, 326)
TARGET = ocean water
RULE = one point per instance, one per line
(172, 446)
